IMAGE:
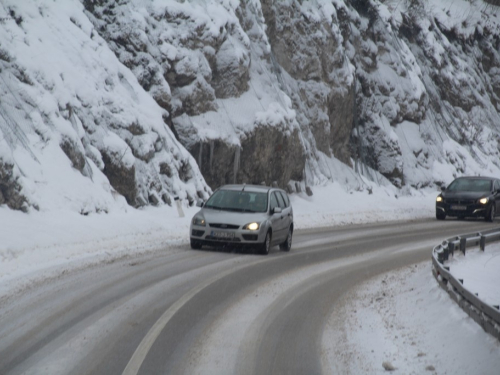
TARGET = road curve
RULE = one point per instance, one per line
(207, 312)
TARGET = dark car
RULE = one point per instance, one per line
(469, 197)
(244, 215)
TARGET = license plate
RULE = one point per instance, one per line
(223, 234)
(458, 208)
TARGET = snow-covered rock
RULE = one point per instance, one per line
(77, 127)
(166, 99)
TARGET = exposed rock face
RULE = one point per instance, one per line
(309, 48)
(121, 177)
(10, 188)
(73, 153)
(231, 69)
(269, 154)
(263, 156)
(266, 155)
(218, 161)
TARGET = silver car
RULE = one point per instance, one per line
(250, 215)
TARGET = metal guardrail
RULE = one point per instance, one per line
(486, 315)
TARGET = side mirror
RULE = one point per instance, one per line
(443, 188)
(277, 210)
(199, 204)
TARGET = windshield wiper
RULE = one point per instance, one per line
(233, 209)
(214, 207)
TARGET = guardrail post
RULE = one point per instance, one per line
(482, 242)
(463, 243)
(451, 248)
(446, 252)
(440, 255)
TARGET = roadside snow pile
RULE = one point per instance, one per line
(58, 241)
(401, 321)
(480, 271)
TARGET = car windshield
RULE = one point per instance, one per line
(239, 201)
(470, 184)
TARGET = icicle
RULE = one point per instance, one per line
(211, 154)
(200, 154)
(236, 164)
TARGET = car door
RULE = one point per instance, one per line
(496, 195)
(285, 218)
(276, 218)
(287, 211)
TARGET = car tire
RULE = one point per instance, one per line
(196, 245)
(287, 245)
(491, 214)
(266, 245)
(440, 215)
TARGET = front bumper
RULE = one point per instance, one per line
(462, 210)
(219, 236)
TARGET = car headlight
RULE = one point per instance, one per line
(439, 198)
(484, 200)
(252, 226)
(199, 220)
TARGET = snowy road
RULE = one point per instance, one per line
(206, 312)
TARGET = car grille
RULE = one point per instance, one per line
(224, 226)
(217, 239)
(460, 201)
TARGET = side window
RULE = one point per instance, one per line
(274, 201)
(497, 185)
(285, 198)
(281, 202)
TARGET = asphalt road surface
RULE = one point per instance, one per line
(207, 311)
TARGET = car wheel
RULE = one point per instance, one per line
(491, 214)
(287, 245)
(266, 245)
(440, 215)
(195, 245)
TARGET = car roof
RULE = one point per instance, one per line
(477, 178)
(251, 188)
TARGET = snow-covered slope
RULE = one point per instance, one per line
(106, 104)
(78, 131)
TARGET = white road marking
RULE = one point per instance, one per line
(147, 342)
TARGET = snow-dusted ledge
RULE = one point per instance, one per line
(485, 314)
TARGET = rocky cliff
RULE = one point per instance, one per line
(163, 99)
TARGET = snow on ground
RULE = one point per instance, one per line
(406, 322)
(480, 271)
(58, 240)
(401, 320)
